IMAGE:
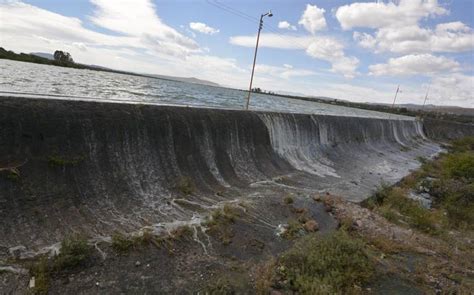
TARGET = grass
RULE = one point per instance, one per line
(219, 221)
(393, 204)
(294, 230)
(63, 161)
(11, 174)
(75, 252)
(288, 200)
(121, 243)
(449, 181)
(332, 264)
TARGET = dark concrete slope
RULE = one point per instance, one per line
(441, 130)
(69, 166)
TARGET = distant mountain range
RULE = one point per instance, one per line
(180, 79)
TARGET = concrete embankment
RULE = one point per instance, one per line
(441, 130)
(90, 167)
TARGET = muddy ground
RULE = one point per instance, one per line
(222, 255)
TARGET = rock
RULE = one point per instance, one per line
(300, 210)
(317, 198)
(328, 208)
(311, 225)
(275, 292)
(138, 263)
(32, 283)
(358, 223)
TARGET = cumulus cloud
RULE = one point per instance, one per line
(284, 72)
(423, 64)
(380, 14)
(203, 28)
(397, 27)
(138, 18)
(286, 26)
(455, 88)
(319, 47)
(313, 19)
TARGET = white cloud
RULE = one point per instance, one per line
(284, 72)
(455, 88)
(313, 19)
(286, 26)
(380, 14)
(320, 47)
(422, 64)
(398, 30)
(447, 37)
(203, 28)
(138, 18)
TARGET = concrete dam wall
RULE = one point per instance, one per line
(85, 167)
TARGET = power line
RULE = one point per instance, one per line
(252, 19)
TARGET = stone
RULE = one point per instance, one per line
(275, 292)
(311, 225)
(32, 283)
(138, 263)
(317, 198)
(358, 223)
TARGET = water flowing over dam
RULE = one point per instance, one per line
(70, 166)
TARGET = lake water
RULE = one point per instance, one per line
(53, 81)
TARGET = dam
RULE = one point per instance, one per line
(95, 167)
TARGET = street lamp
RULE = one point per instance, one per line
(260, 26)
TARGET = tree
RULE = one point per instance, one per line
(63, 56)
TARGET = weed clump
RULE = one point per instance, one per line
(331, 264)
(74, 252)
(63, 161)
(41, 272)
(121, 243)
(219, 222)
(288, 200)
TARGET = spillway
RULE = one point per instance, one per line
(92, 167)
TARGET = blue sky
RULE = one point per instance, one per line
(354, 50)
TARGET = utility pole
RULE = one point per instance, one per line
(260, 26)
(394, 99)
(426, 98)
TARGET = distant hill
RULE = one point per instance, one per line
(43, 55)
(184, 79)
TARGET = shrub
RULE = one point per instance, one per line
(74, 252)
(331, 264)
(288, 200)
(463, 144)
(121, 243)
(62, 161)
(459, 165)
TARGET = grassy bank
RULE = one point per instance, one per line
(448, 180)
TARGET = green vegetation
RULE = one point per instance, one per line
(449, 181)
(63, 161)
(75, 252)
(288, 200)
(332, 264)
(11, 174)
(41, 272)
(294, 229)
(219, 221)
(121, 243)
(185, 185)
